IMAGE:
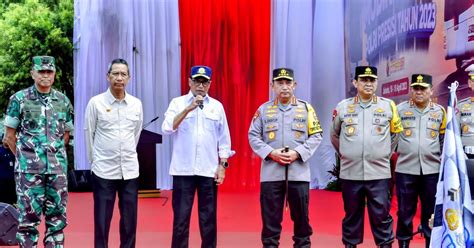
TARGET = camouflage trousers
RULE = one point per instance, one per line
(37, 194)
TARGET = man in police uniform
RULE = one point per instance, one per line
(466, 121)
(364, 134)
(285, 133)
(419, 148)
(38, 122)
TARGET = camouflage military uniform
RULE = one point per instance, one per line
(40, 121)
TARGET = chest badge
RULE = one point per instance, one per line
(408, 113)
(350, 130)
(298, 135)
(271, 135)
(465, 129)
(407, 132)
(433, 134)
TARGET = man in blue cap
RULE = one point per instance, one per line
(201, 147)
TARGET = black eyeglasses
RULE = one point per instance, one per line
(201, 82)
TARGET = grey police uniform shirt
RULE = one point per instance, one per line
(420, 143)
(275, 127)
(364, 136)
(466, 121)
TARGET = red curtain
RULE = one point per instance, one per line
(233, 38)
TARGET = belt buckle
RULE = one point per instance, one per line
(469, 149)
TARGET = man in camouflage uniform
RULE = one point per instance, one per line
(419, 148)
(38, 121)
(466, 121)
(364, 134)
(285, 133)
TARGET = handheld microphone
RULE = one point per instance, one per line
(200, 104)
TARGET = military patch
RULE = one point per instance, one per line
(271, 135)
(408, 113)
(269, 115)
(299, 110)
(349, 120)
(299, 116)
(271, 111)
(433, 125)
(433, 134)
(435, 115)
(407, 123)
(407, 132)
(350, 110)
(299, 125)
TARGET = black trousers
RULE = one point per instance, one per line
(409, 188)
(377, 194)
(104, 191)
(272, 201)
(184, 188)
(470, 172)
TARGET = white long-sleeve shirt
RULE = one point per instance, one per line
(112, 129)
(201, 138)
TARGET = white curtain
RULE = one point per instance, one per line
(146, 34)
(308, 36)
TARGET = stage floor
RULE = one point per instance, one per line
(239, 222)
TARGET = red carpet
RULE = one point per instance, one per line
(239, 222)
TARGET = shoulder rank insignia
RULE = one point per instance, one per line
(256, 115)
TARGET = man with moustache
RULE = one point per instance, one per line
(201, 147)
(113, 123)
(38, 122)
(419, 157)
(285, 133)
(365, 134)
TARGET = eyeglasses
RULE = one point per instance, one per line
(201, 82)
(116, 74)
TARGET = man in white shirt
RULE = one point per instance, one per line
(201, 139)
(113, 123)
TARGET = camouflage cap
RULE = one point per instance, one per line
(43, 63)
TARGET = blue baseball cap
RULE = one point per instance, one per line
(201, 71)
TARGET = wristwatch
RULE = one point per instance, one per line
(225, 164)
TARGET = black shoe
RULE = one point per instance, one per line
(350, 246)
(403, 243)
(386, 246)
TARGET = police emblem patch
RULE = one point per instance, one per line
(433, 134)
(408, 113)
(452, 217)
